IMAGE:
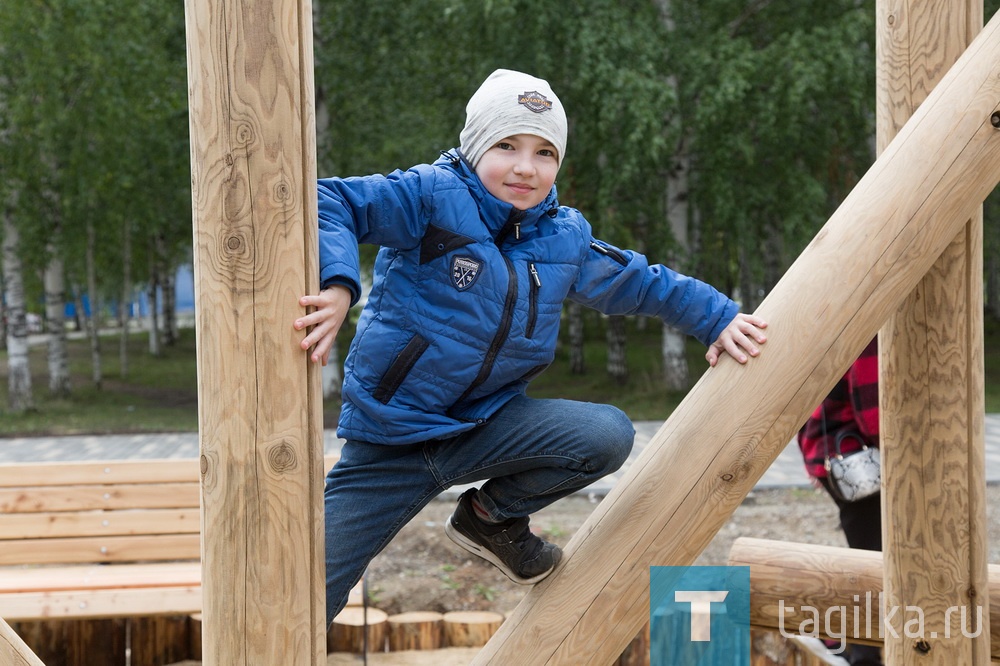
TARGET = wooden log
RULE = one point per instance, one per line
(735, 421)
(933, 472)
(194, 644)
(786, 578)
(470, 628)
(160, 639)
(76, 642)
(416, 630)
(350, 633)
(13, 650)
(253, 177)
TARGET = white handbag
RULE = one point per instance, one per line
(857, 474)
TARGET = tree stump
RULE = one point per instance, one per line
(159, 639)
(75, 642)
(636, 653)
(347, 634)
(194, 642)
(417, 630)
(470, 628)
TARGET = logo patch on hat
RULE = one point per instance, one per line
(534, 101)
(464, 271)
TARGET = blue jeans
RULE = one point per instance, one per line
(533, 452)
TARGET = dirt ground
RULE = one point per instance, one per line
(423, 570)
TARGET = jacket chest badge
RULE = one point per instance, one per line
(464, 272)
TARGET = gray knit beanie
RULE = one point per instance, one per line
(509, 103)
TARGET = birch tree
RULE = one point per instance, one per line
(19, 394)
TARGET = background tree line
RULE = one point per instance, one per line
(715, 136)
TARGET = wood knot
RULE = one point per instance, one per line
(281, 457)
(233, 243)
(995, 119)
(282, 192)
(204, 465)
(727, 477)
(244, 134)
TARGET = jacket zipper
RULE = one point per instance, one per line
(513, 223)
(534, 284)
(501, 336)
(609, 252)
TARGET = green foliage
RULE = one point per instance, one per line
(94, 127)
(779, 103)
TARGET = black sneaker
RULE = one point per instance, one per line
(510, 545)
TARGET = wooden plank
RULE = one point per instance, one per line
(97, 577)
(735, 421)
(13, 651)
(93, 523)
(102, 549)
(100, 472)
(933, 476)
(84, 498)
(125, 602)
(160, 470)
(253, 164)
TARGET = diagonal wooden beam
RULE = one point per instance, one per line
(736, 420)
(13, 651)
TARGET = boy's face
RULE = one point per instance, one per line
(519, 170)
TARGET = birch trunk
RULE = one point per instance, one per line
(19, 397)
(332, 375)
(617, 363)
(93, 321)
(169, 290)
(577, 364)
(154, 316)
(55, 322)
(126, 301)
(676, 374)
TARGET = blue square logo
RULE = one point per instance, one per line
(699, 616)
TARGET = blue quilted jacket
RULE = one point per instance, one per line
(467, 295)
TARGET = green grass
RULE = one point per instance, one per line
(160, 393)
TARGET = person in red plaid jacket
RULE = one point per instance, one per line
(852, 405)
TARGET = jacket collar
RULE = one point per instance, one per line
(494, 212)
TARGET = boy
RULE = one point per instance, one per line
(476, 261)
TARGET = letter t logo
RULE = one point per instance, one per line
(701, 610)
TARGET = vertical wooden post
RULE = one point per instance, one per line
(250, 69)
(934, 509)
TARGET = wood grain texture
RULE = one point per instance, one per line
(785, 577)
(13, 651)
(735, 421)
(358, 630)
(416, 630)
(255, 244)
(470, 628)
(932, 375)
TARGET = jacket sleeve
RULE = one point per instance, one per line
(381, 210)
(622, 282)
